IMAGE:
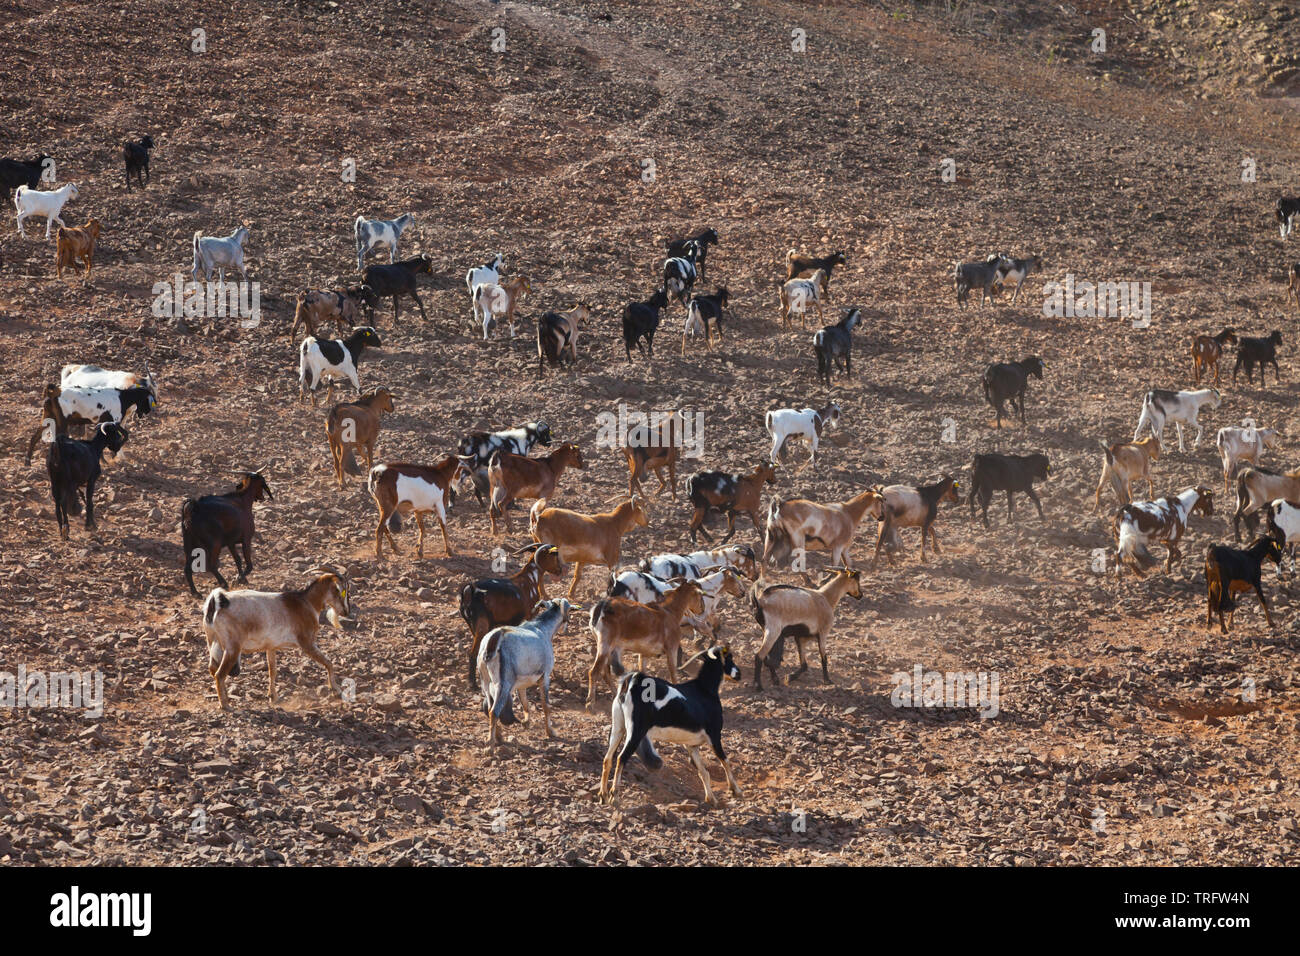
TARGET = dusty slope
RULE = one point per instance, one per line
(538, 152)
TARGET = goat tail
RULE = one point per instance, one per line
(350, 462)
(534, 514)
(1132, 549)
(792, 254)
(217, 602)
(1105, 450)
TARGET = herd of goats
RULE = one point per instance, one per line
(511, 620)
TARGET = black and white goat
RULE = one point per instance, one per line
(1286, 209)
(680, 273)
(700, 311)
(834, 344)
(649, 710)
(331, 359)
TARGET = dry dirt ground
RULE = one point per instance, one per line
(1127, 732)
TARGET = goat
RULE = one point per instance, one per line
(799, 525)
(802, 267)
(1256, 487)
(1239, 445)
(1284, 527)
(517, 657)
(557, 335)
(515, 477)
(653, 447)
(379, 232)
(1261, 351)
(1139, 523)
(622, 626)
(318, 306)
(586, 539)
(649, 710)
(396, 279)
(30, 201)
(135, 156)
(907, 506)
(1285, 212)
(834, 344)
(784, 424)
(1010, 473)
(475, 449)
(976, 275)
(219, 253)
(73, 465)
(488, 272)
(729, 494)
(697, 564)
(1125, 463)
(74, 244)
(1008, 380)
(1230, 571)
(401, 487)
(1293, 283)
(213, 522)
(330, 359)
(248, 622)
(16, 172)
(1017, 271)
(679, 273)
(796, 294)
(492, 300)
(804, 614)
(1161, 406)
(640, 321)
(352, 425)
(698, 245)
(701, 309)
(495, 602)
(1206, 352)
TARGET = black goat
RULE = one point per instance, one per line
(15, 173)
(1009, 473)
(1254, 350)
(395, 280)
(834, 344)
(136, 158)
(73, 464)
(641, 321)
(699, 245)
(700, 310)
(1007, 380)
(1230, 571)
(802, 267)
(213, 522)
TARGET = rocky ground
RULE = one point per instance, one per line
(1127, 733)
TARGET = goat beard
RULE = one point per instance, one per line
(332, 616)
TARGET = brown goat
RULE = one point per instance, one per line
(621, 625)
(74, 244)
(911, 507)
(654, 447)
(352, 425)
(1125, 463)
(798, 526)
(587, 539)
(1206, 352)
(316, 307)
(1293, 283)
(512, 477)
(426, 489)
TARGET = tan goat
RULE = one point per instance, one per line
(352, 425)
(798, 526)
(624, 626)
(1125, 463)
(586, 539)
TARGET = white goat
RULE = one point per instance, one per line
(1161, 407)
(220, 253)
(786, 423)
(379, 232)
(1239, 445)
(34, 202)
